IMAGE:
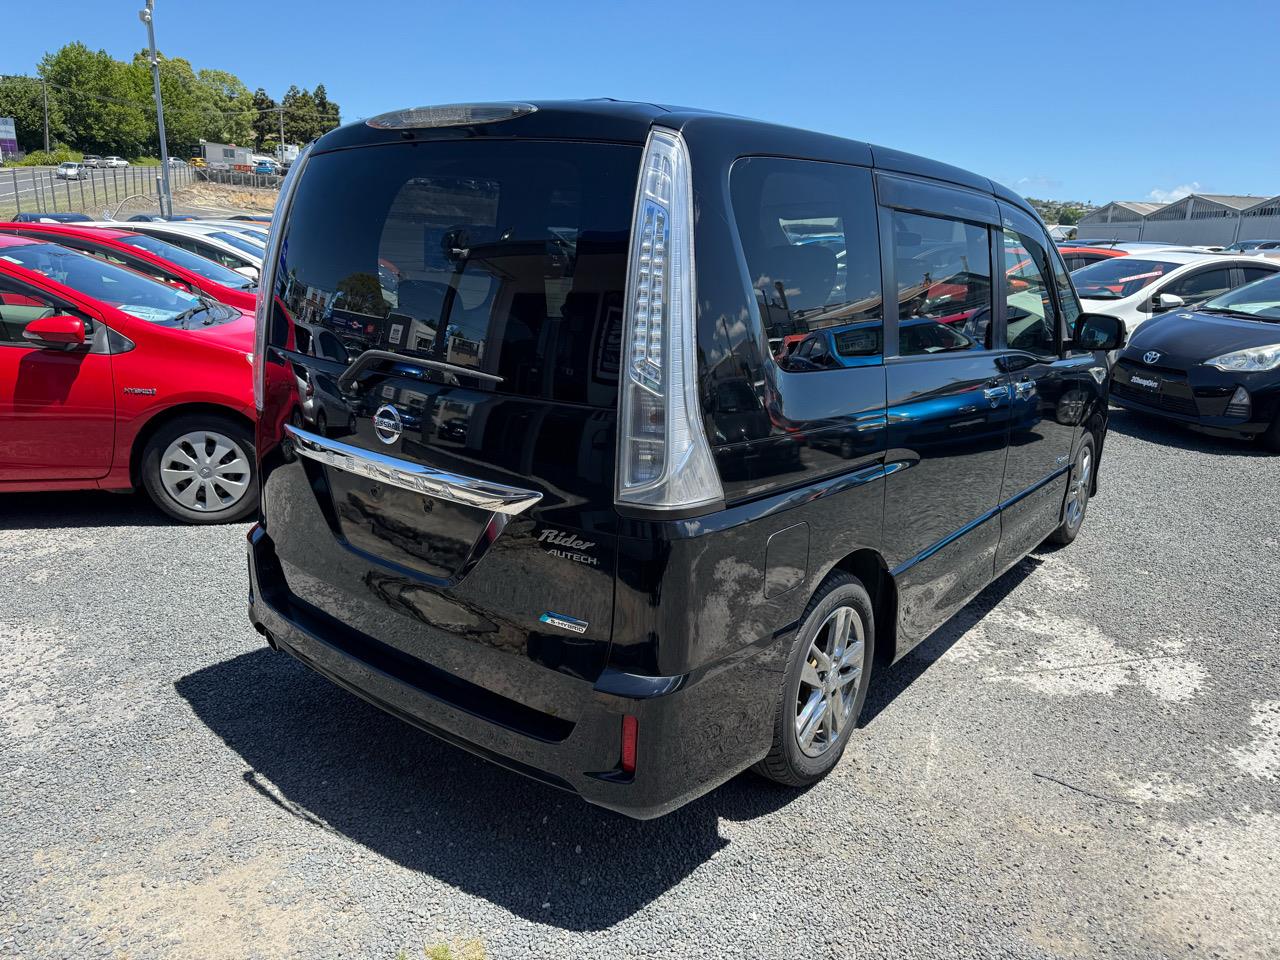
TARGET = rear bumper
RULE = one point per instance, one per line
(691, 729)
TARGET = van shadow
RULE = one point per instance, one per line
(334, 761)
(80, 509)
(890, 683)
(1167, 433)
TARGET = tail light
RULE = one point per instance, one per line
(630, 736)
(664, 461)
(267, 277)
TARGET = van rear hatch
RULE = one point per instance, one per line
(442, 357)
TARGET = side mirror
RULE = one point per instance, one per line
(248, 271)
(1168, 301)
(1097, 331)
(60, 332)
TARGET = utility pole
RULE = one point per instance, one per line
(146, 15)
(280, 149)
(45, 87)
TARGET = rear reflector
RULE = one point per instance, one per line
(630, 733)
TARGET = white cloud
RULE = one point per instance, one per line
(1177, 193)
(1038, 182)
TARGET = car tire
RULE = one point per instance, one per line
(1079, 487)
(202, 469)
(818, 708)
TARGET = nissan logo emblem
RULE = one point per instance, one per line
(387, 423)
(1151, 356)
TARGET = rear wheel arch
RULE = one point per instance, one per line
(869, 567)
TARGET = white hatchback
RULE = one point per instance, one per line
(1136, 287)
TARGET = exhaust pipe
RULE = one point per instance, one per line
(271, 640)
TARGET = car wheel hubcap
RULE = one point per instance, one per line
(1078, 495)
(205, 471)
(829, 682)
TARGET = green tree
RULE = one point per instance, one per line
(328, 114)
(227, 106)
(105, 102)
(266, 120)
(299, 115)
(21, 98)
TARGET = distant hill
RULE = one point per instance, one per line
(1065, 212)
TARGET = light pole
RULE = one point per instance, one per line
(166, 198)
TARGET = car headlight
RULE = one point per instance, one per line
(1251, 360)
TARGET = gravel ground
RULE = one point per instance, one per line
(1084, 763)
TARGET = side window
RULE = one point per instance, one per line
(1031, 321)
(20, 305)
(1201, 286)
(943, 273)
(1255, 273)
(1068, 302)
(808, 232)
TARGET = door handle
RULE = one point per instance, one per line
(1024, 388)
(995, 393)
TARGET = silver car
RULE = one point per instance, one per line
(70, 171)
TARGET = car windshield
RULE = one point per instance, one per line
(1259, 300)
(191, 261)
(1119, 277)
(241, 243)
(123, 289)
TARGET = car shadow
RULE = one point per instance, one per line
(80, 508)
(334, 761)
(889, 683)
(1168, 433)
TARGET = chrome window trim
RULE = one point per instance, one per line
(415, 477)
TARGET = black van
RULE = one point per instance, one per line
(588, 443)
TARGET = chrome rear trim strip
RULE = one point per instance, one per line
(453, 487)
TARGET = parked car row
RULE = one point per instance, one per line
(126, 361)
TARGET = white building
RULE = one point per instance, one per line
(1261, 221)
(1199, 219)
(1118, 220)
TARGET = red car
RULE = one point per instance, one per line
(150, 255)
(1076, 257)
(111, 380)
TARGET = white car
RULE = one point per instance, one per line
(115, 162)
(71, 171)
(1147, 282)
(213, 242)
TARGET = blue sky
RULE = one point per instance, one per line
(1085, 101)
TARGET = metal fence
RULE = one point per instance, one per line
(237, 178)
(95, 192)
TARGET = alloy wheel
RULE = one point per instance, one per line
(206, 471)
(1078, 494)
(829, 682)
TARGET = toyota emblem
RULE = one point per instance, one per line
(1151, 356)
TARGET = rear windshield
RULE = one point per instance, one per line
(240, 242)
(191, 261)
(1118, 277)
(508, 257)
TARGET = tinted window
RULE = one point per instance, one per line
(1031, 320)
(185, 258)
(1119, 277)
(1255, 273)
(240, 242)
(1068, 302)
(123, 289)
(808, 233)
(506, 257)
(943, 274)
(1199, 286)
